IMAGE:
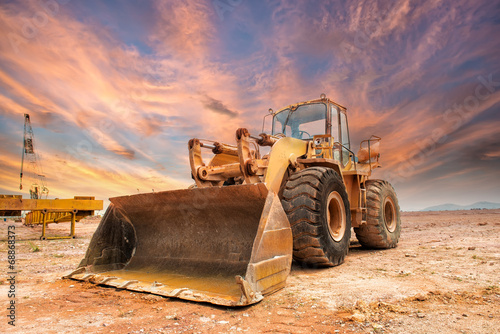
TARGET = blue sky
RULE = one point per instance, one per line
(116, 89)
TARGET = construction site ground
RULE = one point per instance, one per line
(444, 277)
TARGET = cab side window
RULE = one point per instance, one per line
(344, 138)
(335, 130)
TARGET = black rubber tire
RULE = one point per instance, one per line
(383, 221)
(305, 202)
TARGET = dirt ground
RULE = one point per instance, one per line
(443, 277)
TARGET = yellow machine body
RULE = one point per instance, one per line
(227, 240)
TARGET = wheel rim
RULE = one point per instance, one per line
(336, 216)
(390, 214)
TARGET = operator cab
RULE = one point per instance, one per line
(317, 117)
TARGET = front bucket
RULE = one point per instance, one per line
(223, 245)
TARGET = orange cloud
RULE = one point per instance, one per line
(114, 113)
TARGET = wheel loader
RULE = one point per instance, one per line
(230, 239)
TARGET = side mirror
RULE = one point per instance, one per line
(271, 113)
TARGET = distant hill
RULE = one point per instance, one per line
(453, 207)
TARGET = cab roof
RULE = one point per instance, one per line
(320, 100)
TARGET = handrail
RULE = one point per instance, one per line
(348, 149)
(369, 140)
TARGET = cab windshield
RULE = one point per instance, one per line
(302, 123)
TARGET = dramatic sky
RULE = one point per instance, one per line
(115, 89)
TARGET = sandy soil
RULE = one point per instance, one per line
(443, 277)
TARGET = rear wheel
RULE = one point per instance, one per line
(317, 206)
(383, 224)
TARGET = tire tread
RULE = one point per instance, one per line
(374, 233)
(301, 201)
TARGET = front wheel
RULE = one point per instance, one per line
(383, 224)
(316, 203)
